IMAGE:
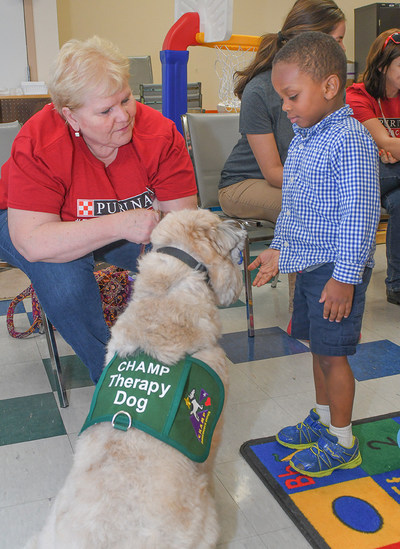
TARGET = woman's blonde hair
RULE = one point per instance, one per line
(378, 61)
(84, 67)
(305, 15)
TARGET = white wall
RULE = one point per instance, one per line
(13, 56)
(46, 35)
(13, 60)
(139, 27)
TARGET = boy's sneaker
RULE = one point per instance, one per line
(304, 434)
(325, 456)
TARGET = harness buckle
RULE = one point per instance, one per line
(122, 423)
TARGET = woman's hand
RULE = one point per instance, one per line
(386, 157)
(338, 300)
(267, 262)
(137, 225)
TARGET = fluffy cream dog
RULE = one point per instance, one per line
(129, 489)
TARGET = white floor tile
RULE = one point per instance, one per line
(19, 522)
(387, 387)
(242, 388)
(242, 422)
(34, 470)
(249, 543)
(252, 497)
(233, 524)
(287, 538)
(18, 350)
(282, 376)
(79, 404)
(23, 378)
(369, 403)
(296, 406)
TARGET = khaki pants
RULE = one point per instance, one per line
(255, 198)
(251, 198)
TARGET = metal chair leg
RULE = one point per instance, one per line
(248, 288)
(53, 352)
(55, 360)
(274, 281)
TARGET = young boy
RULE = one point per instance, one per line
(326, 233)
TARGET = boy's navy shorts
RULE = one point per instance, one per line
(325, 337)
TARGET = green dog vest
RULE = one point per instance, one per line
(178, 404)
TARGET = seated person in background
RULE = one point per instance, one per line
(80, 185)
(251, 181)
(376, 104)
(326, 233)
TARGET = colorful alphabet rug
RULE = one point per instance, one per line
(354, 508)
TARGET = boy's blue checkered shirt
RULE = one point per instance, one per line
(330, 198)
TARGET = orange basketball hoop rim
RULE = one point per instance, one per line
(186, 32)
(235, 42)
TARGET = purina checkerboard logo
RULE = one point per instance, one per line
(88, 207)
(85, 208)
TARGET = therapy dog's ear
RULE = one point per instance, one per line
(227, 238)
(233, 234)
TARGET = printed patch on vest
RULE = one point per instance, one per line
(199, 412)
(178, 404)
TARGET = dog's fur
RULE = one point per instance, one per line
(128, 489)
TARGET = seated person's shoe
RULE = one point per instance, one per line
(325, 456)
(393, 297)
(304, 434)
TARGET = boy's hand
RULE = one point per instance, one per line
(338, 300)
(267, 261)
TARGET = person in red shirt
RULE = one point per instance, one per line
(87, 179)
(376, 104)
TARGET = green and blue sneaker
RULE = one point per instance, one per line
(325, 456)
(304, 434)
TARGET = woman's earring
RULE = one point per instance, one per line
(77, 134)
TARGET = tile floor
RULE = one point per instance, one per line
(271, 386)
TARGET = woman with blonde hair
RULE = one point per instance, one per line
(376, 104)
(85, 179)
(251, 180)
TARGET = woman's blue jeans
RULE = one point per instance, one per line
(389, 175)
(69, 294)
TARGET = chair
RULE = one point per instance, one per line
(210, 138)
(21, 107)
(53, 351)
(140, 72)
(8, 132)
(151, 94)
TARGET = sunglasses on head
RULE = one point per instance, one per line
(395, 38)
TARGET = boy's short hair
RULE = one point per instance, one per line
(316, 54)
